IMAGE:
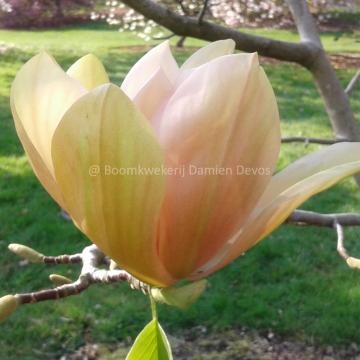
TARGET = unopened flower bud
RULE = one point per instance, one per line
(353, 262)
(8, 305)
(59, 280)
(26, 253)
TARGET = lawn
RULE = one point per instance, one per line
(293, 283)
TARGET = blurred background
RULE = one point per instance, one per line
(291, 297)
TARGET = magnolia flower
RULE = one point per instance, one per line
(217, 111)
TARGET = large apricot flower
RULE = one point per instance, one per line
(217, 112)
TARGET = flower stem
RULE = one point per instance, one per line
(153, 307)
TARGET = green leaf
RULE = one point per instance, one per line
(181, 297)
(151, 344)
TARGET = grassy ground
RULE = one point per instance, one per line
(293, 283)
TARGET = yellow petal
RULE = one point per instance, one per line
(209, 52)
(40, 94)
(43, 173)
(89, 71)
(119, 213)
(289, 189)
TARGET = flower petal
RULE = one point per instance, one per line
(139, 75)
(104, 131)
(89, 71)
(215, 119)
(209, 52)
(40, 95)
(39, 167)
(152, 95)
(287, 190)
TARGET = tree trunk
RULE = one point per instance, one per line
(336, 101)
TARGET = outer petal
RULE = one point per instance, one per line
(216, 119)
(209, 52)
(140, 74)
(89, 71)
(105, 131)
(40, 94)
(288, 189)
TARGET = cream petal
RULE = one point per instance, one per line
(40, 169)
(215, 119)
(89, 71)
(40, 95)
(287, 190)
(209, 52)
(119, 213)
(139, 75)
(309, 165)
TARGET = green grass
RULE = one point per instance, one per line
(76, 39)
(293, 282)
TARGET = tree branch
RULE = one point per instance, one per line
(302, 217)
(183, 8)
(340, 241)
(203, 12)
(91, 259)
(335, 221)
(352, 84)
(62, 259)
(351, 261)
(189, 26)
(309, 140)
(305, 22)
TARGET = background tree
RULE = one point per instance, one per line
(232, 13)
(308, 53)
(39, 13)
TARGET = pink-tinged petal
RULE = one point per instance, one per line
(119, 213)
(89, 71)
(153, 94)
(139, 75)
(209, 52)
(287, 190)
(40, 95)
(215, 119)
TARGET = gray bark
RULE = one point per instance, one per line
(336, 100)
